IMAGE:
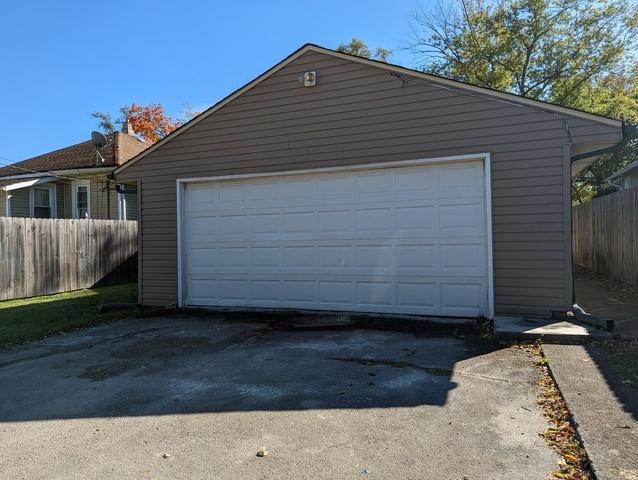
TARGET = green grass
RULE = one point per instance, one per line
(623, 356)
(38, 317)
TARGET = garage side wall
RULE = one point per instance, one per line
(359, 114)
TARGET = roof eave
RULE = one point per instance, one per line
(53, 173)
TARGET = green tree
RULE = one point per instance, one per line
(616, 95)
(576, 53)
(360, 49)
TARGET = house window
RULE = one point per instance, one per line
(81, 199)
(43, 201)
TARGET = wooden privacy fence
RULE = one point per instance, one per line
(43, 256)
(606, 235)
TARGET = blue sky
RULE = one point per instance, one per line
(59, 61)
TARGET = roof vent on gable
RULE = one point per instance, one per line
(309, 79)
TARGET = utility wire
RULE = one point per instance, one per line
(12, 165)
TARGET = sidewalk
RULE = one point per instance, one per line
(599, 298)
(604, 409)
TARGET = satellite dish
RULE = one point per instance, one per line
(99, 140)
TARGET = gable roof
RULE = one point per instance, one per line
(396, 69)
(121, 148)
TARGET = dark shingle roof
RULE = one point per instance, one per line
(121, 148)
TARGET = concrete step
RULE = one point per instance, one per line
(525, 328)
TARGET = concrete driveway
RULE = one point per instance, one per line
(197, 398)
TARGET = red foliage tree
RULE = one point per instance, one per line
(150, 122)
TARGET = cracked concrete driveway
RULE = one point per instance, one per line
(195, 398)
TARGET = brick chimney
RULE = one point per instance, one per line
(128, 128)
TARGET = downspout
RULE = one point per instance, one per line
(628, 132)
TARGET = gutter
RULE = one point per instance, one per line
(628, 133)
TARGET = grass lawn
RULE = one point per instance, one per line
(623, 356)
(33, 318)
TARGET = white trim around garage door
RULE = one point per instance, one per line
(484, 157)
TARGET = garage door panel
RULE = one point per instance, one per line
(467, 219)
(467, 258)
(411, 218)
(387, 257)
(266, 257)
(300, 191)
(234, 289)
(267, 290)
(403, 240)
(233, 257)
(461, 177)
(415, 181)
(266, 223)
(202, 290)
(336, 256)
(298, 257)
(336, 293)
(349, 292)
(335, 188)
(231, 225)
(300, 291)
(458, 295)
(416, 256)
(374, 220)
(299, 222)
(233, 194)
(335, 221)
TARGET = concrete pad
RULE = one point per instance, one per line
(191, 398)
(532, 328)
(605, 411)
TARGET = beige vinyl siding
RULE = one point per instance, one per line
(103, 203)
(362, 114)
(100, 209)
(60, 199)
(20, 203)
(131, 204)
(3, 203)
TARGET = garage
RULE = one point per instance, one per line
(332, 182)
(401, 238)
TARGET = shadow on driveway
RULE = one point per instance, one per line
(188, 366)
(196, 398)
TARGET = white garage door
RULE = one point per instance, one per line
(408, 240)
